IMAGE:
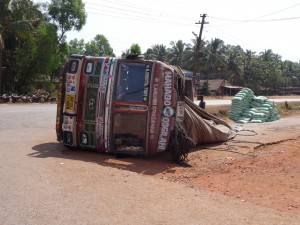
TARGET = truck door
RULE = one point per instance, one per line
(130, 107)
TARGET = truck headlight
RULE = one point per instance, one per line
(84, 138)
(68, 138)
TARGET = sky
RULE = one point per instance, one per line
(255, 25)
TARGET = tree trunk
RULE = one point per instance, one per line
(1, 74)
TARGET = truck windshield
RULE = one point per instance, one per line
(133, 82)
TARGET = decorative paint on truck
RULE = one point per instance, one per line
(120, 105)
(70, 97)
(162, 107)
(168, 110)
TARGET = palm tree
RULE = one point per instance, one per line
(249, 56)
(176, 52)
(159, 52)
(233, 63)
(189, 55)
(215, 56)
(269, 56)
(156, 52)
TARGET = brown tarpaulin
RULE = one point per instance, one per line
(204, 128)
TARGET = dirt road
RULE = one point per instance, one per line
(43, 182)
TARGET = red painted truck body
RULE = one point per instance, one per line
(119, 105)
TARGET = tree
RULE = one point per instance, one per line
(265, 77)
(247, 61)
(125, 53)
(233, 62)
(156, 52)
(215, 55)
(291, 74)
(18, 22)
(76, 46)
(189, 54)
(269, 56)
(135, 49)
(176, 52)
(188, 58)
(99, 46)
(67, 15)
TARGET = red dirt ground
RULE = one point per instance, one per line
(269, 176)
(260, 165)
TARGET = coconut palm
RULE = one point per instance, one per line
(190, 54)
(233, 63)
(249, 56)
(269, 56)
(215, 56)
(159, 52)
(176, 52)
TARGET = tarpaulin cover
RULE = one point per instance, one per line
(204, 128)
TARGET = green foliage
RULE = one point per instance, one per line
(135, 49)
(67, 15)
(176, 52)
(76, 46)
(46, 48)
(156, 52)
(24, 10)
(32, 48)
(18, 23)
(99, 46)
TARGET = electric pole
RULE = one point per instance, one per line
(198, 43)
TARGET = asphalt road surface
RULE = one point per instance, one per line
(42, 182)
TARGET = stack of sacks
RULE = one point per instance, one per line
(239, 103)
(252, 109)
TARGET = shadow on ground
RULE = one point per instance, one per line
(161, 163)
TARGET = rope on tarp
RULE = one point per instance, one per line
(180, 144)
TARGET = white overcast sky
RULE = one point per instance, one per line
(256, 25)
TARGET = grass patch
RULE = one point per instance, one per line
(289, 109)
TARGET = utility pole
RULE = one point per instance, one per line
(198, 43)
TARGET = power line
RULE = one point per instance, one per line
(144, 10)
(257, 19)
(132, 17)
(278, 11)
(147, 19)
(254, 21)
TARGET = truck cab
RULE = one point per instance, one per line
(125, 106)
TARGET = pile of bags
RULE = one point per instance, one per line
(246, 107)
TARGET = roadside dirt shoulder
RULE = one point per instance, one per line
(260, 165)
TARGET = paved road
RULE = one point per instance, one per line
(228, 102)
(42, 182)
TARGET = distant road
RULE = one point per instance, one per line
(228, 102)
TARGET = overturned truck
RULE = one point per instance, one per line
(131, 106)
